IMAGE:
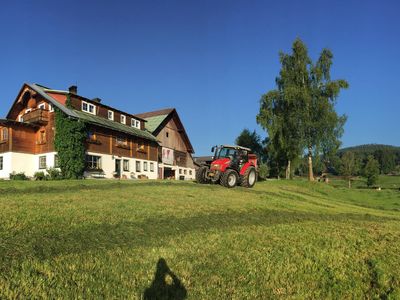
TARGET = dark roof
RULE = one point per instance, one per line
(160, 112)
(103, 122)
(156, 120)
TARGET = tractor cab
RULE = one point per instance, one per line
(230, 166)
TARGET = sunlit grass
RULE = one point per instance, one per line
(290, 239)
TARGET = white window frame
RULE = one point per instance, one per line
(151, 167)
(145, 166)
(110, 115)
(28, 110)
(92, 161)
(123, 119)
(51, 107)
(1, 162)
(135, 123)
(42, 106)
(125, 165)
(138, 166)
(90, 108)
(41, 165)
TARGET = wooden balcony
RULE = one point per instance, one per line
(38, 116)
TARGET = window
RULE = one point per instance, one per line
(121, 141)
(56, 161)
(93, 162)
(4, 134)
(123, 119)
(111, 115)
(145, 166)
(42, 137)
(141, 146)
(167, 134)
(51, 108)
(42, 106)
(126, 165)
(42, 162)
(1, 162)
(151, 167)
(137, 166)
(20, 118)
(135, 123)
(185, 172)
(91, 136)
(28, 110)
(180, 171)
(89, 108)
(190, 172)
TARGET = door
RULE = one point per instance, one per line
(118, 168)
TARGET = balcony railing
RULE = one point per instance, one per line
(37, 116)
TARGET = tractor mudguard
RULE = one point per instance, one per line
(245, 167)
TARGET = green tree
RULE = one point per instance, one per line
(300, 114)
(69, 142)
(253, 141)
(386, 159)
(349, 166)
(371, 171)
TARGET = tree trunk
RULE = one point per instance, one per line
(288, 171)
(310, 166)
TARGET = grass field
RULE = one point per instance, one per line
(282, 239)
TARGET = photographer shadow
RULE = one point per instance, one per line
(165, 285)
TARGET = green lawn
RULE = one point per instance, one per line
(111, 239)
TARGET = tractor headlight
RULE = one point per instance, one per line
(216, 166)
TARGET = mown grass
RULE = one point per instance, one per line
(282, 239)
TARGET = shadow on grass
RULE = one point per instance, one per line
(166, 285)
(56, 186)
(51, 240)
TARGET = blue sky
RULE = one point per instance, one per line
(212, 60)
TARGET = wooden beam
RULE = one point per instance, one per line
(10, 139)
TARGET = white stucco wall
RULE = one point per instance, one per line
(108, 166)
(177, 169)
(23, 162)
(29, 164)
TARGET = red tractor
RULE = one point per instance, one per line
(230, 166)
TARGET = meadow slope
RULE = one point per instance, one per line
(288, 239)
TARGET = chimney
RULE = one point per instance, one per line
(73, 89)
(98, 100)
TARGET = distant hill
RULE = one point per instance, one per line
(370, 148)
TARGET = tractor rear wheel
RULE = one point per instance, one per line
(230, 178)
(201, 175)
(249, 177)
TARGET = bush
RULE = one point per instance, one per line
(54, 174)
(263, 171)
(18, 176)
(371, 171)
(40, 176)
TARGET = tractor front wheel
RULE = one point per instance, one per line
(229, 178)
(201, 175)
(249, 177)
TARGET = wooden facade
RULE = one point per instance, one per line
(30, 127)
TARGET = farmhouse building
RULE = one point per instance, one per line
(117, 144)
(175, 152)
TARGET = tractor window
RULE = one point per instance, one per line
(227, 153)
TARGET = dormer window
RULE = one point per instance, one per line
(89, 108)
(111, 115)
(42, 106)
(123, 119)
(135, 123)
(51, 108)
